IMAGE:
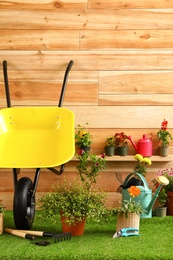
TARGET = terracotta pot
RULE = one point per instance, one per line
(76, 229)
(1, 223)
(169, 203)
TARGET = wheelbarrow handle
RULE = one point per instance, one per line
(6, 83)
(65, 82)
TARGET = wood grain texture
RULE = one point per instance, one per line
(43, 4)
(136, 82)
(123, 116)
(130, 39)
(39, 40)
(136, 99)
(86, 19)
(89, 61)
(126, 4)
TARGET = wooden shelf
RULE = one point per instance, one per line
(130, 158)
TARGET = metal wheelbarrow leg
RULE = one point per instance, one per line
(25, 188)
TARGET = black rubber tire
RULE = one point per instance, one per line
(23, 204)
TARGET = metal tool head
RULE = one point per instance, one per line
(61, 237)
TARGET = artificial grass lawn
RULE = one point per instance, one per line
(155, 242)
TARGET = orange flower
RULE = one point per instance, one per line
(134, 191)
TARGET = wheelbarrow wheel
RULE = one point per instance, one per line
(24, 204)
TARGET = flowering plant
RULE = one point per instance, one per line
(163, 135)
(131, 206)
(141, 164)
(121, 139)
(110, 141)
(89, 165)
(82, 136)
(168, 173)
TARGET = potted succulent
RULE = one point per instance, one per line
(121, 143)
(83, 137)
(2, 209)
(128, 215)
(164, 136)
(78, 201)
(110, 146)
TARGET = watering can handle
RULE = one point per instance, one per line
(138, 174)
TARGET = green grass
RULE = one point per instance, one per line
(155, 242)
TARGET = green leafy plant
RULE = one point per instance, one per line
(131, 206)
(2, 207)
(74, 202)
(121, 139)
(142, 162)
(82, 136)
(163, 134)
(110, 141)
(89, 166)
(78, 200)
(162, 197)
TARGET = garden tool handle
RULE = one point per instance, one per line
(37, 233)
(19, 233)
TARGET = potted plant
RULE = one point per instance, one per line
(75, 204)
(110, 146)
(83, 137)
(2, 209)
(168, 189)
(162, 198)
(164, 136)
(128, 215)
(121, 143)
(78, 201)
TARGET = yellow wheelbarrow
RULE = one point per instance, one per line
(34, 137)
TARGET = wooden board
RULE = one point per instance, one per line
(126, 4)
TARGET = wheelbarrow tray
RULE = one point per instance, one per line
(36, 137)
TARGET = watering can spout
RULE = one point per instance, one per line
(133, 143)
(162, 180)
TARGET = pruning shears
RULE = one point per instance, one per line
(126, 232)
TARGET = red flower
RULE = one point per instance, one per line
(164, 125)
(103, 155)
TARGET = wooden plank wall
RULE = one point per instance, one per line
(121, 79)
